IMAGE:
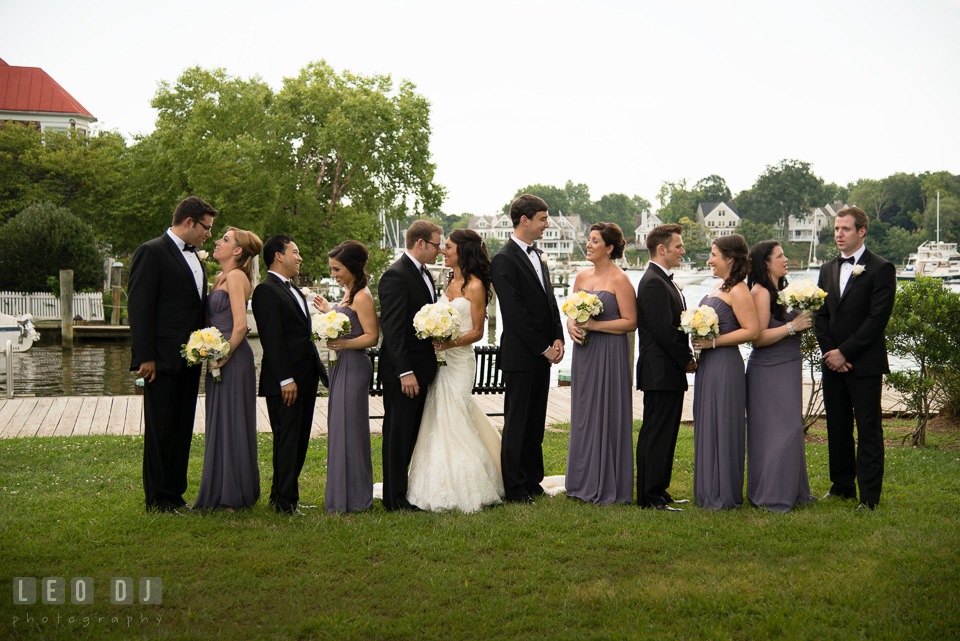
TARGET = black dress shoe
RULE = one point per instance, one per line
(866, 507)
(666, 508)
(831, 495)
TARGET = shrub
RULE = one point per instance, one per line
(39, 242)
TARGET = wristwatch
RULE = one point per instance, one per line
(790, 331)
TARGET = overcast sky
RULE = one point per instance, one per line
(618, 95)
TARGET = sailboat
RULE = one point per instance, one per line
(813, 262)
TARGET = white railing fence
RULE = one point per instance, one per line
(44, 306)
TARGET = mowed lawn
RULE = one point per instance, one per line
(72, 507)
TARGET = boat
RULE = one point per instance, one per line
(687, 274)
(933, 259)
(19, 331)
(813, 263)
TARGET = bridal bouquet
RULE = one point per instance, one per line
(439, 321)
(580, 306)
(803, 295)
(206, 346)
(700, 322)
(329, 326)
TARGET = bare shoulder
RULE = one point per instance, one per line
(761, 295)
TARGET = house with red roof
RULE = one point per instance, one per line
(30, 95)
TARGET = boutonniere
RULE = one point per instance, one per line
(202, 255)
(305, 291)
(858, 269)
(543, 257)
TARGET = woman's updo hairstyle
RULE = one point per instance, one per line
(611, 235)
(353, 256)
(734, 246)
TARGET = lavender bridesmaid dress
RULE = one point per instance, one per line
(600, 454)
(230, 475)
(776, 460)
(349, 467)
(719, 409)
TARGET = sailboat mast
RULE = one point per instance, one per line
(938, 216)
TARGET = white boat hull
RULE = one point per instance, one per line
(19, 331)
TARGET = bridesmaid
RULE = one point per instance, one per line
(719, 394)
(776, 461)
(600, 455)
(349, 468)
(231, 478)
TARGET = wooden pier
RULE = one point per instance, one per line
(123, 415)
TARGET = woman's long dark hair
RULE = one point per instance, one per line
(472, 258)
(734, 246)
(353, 256)
(759, 275)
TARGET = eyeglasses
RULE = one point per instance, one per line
(207, 227)
(431, 243)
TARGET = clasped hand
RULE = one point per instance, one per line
(837, 362)
(555, 353)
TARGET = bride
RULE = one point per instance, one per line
(456, 461)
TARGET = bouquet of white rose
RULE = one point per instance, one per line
(700, 322)
(580, 306)
(206, 346)
(329, 326)
(802, 295)
(439, 321)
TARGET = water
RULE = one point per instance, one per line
(102, 368)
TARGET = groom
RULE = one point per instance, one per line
(407, 364)
(664, 360)
(167, 293)
(850, 329)
(532, 340)
(290, 369)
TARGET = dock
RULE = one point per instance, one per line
(123, 415)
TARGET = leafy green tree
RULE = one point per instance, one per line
(898, 243)
(88, 173)
(40, 241)
(789, 187)
(622, 210)
(754, 232)
(676, 201)
(949, 218)
(713, 189)
(696, 237)
(924, 329)
(572, 200)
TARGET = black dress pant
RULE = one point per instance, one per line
(291, 426)
(401, 425)
(656, 446)
(524, 417)
(847, 397)
(169, 409)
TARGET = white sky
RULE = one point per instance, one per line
(618, 95)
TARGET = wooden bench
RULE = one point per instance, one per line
(489, 377)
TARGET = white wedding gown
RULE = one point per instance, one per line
(456, 461)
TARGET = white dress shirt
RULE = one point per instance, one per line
(846, 269)
(675, 286)
(533, 257)
(193, 261)
(424, 275)
(300, 302)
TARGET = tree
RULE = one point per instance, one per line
(571, 200)
(789, 187)
(696, 237)
(622, 210)
(899, 243)
(754, 232)
(923, 328)
(86, 172)
(40, 241)
(676, 201)
(713, 189)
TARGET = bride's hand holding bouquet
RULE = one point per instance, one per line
(441, 322)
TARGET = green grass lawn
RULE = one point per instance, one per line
(72, 507)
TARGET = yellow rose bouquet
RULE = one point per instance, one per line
(439, 321)
(206, 346)
(329, 326)
(802, 295)
(700, 322)
(580, 306)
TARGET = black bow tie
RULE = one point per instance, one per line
(423, 269)
(670, 276)
(533, 248)
(190, 248)
(841, 260)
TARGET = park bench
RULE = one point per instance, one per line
(489, 378)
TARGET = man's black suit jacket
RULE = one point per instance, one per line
(531, 318)
(664, 347)
(855, 322)
(284, 333)
(164, 306)
(403, 291)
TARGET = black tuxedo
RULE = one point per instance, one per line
(402, 292)
(288, 352)
(531, 324)
(661, 374)
(165, 308)
(855, 324)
